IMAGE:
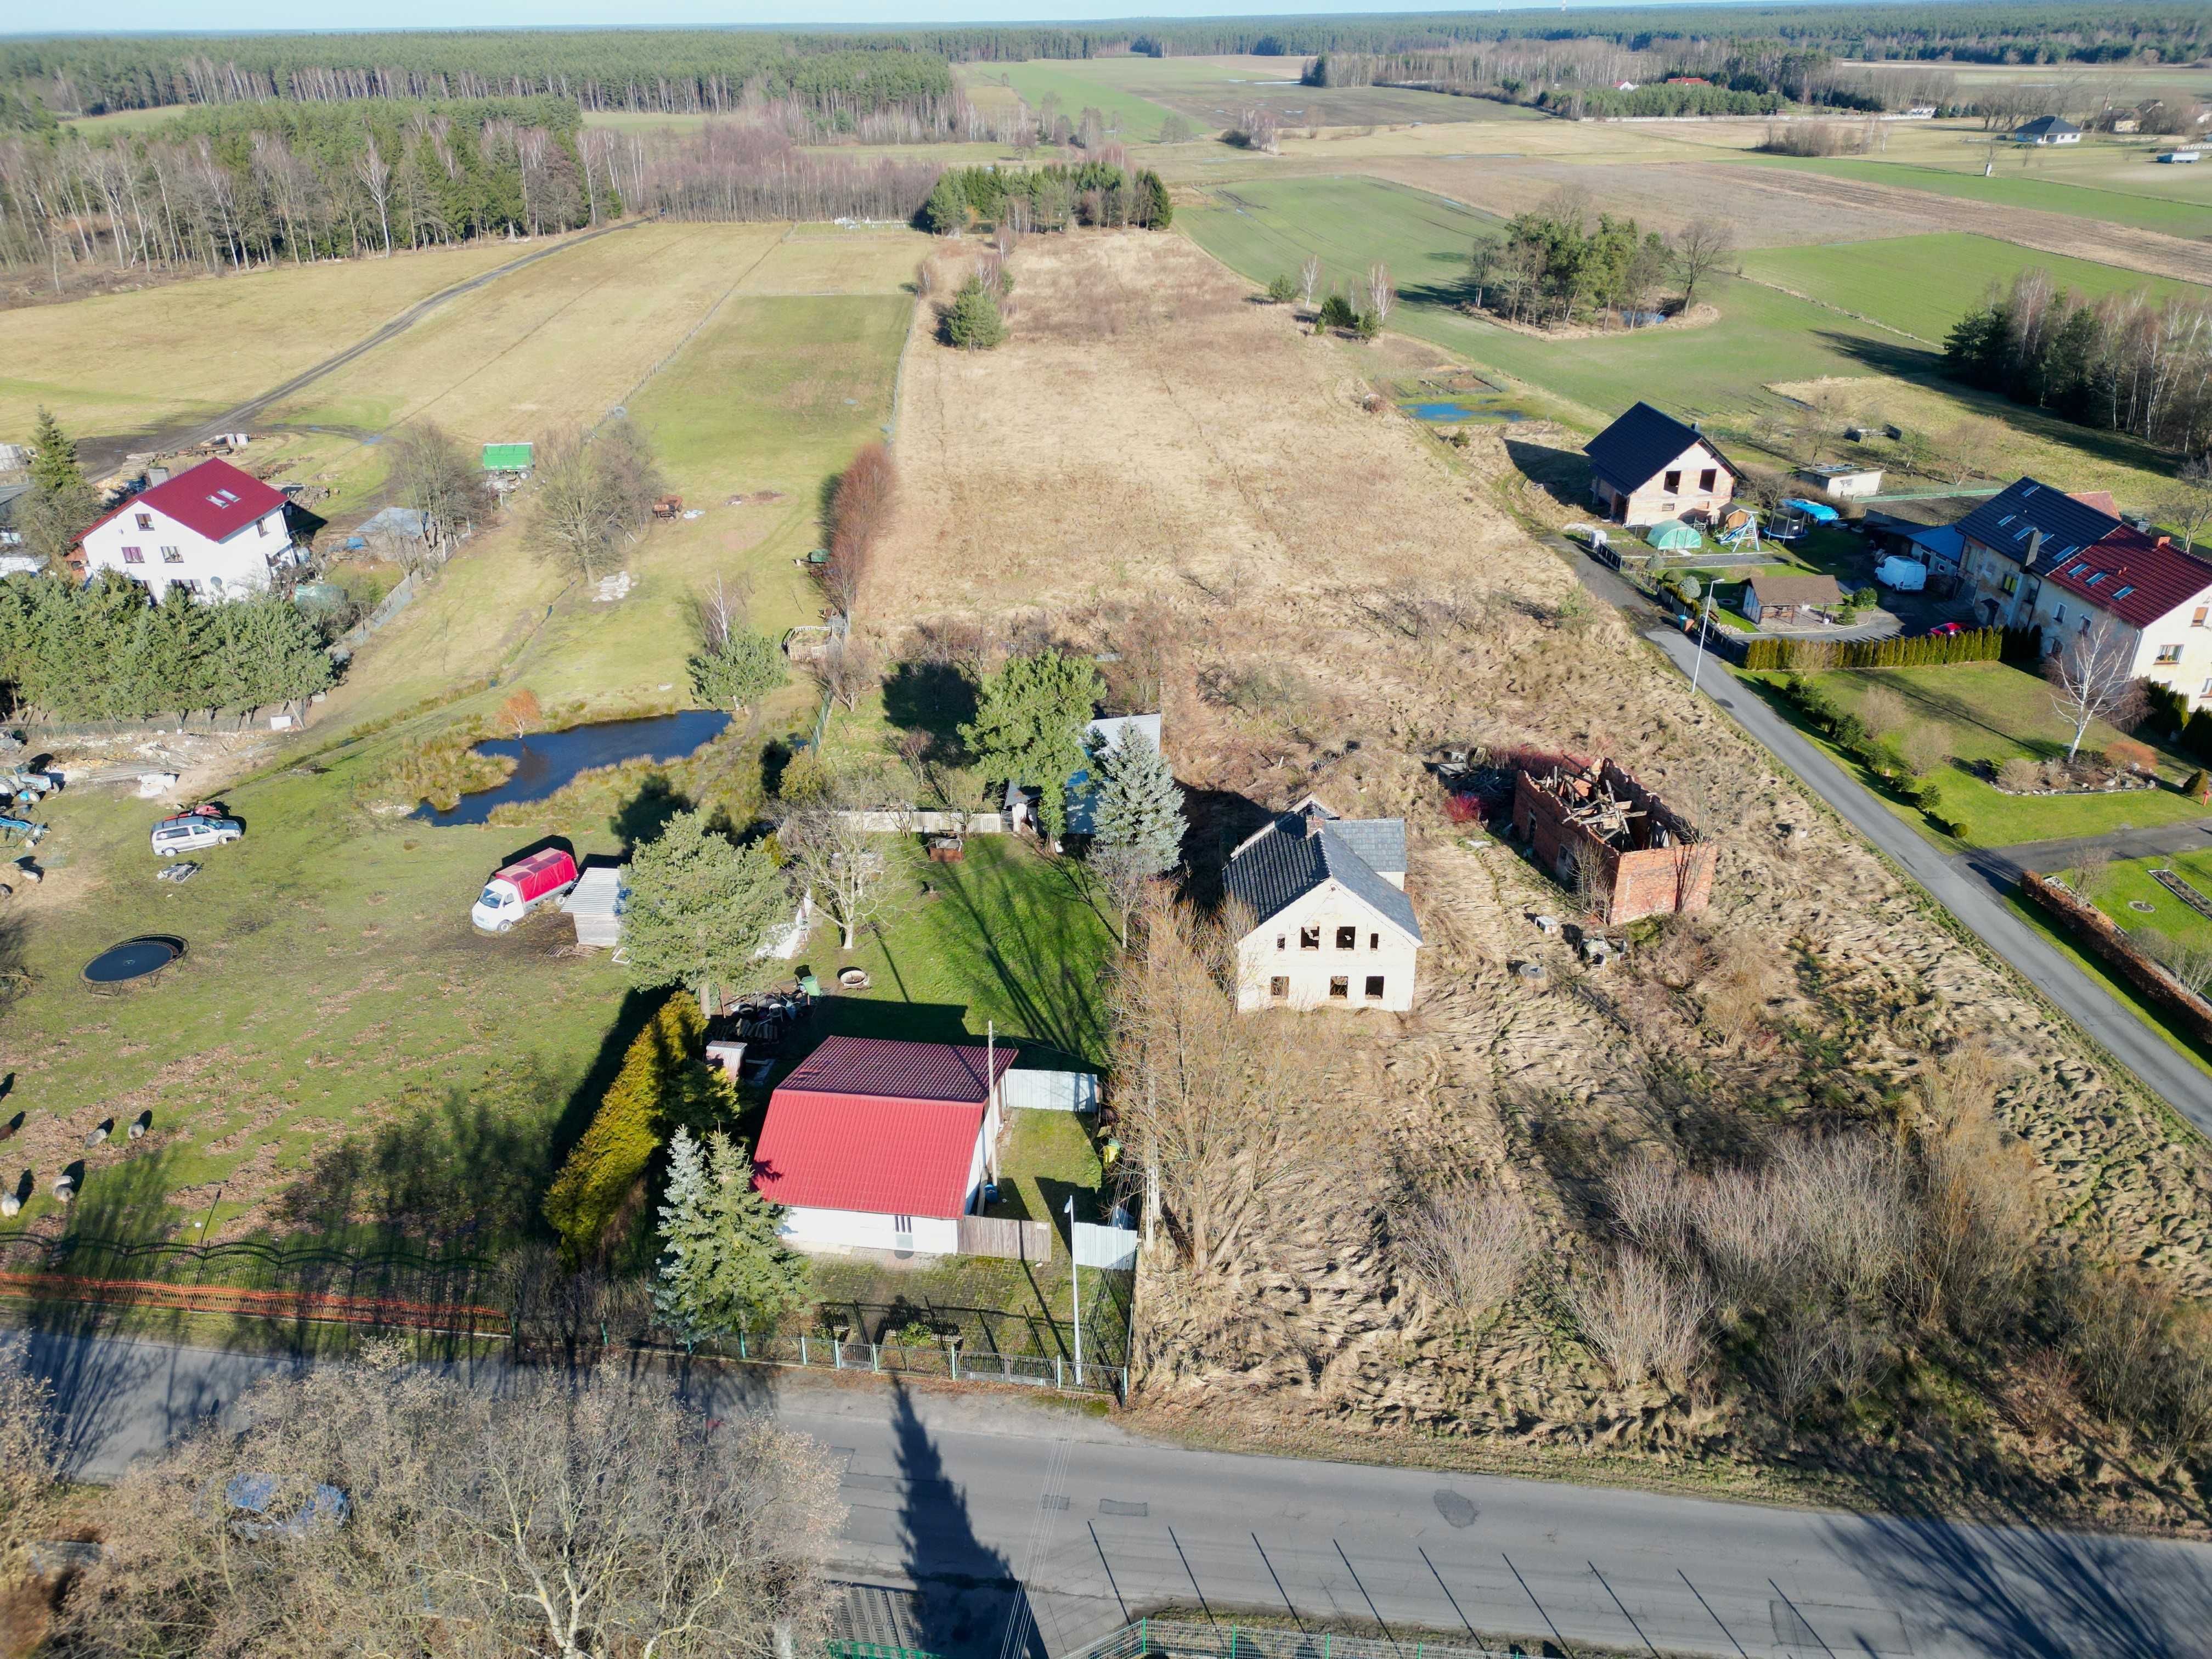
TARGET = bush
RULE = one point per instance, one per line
(2133, 755)
(1336, 312)
(972, 321)
(1283, 289)
(2199, 787)
(2019, 775)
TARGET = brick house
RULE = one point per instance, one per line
(1331, 927)
(1648, 467)
(1596, 825)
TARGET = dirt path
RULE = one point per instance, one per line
(2148, 251)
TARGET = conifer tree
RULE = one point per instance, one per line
(1028, 726)
(972, 323)
(700, 909)
(723, 1267)
(946, 209)
(1140, 807)
(59, 505)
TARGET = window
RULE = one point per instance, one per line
(2168, 655)
(903, 1224)
(145, 520)
(134, 556)
(2058, 618)
(2121, 594)
(2077, 569)
(2012, 584)
(1339, 988)
(2099, 577)
(1709, 480)
(172, 555)
(261, 527)
(1282, 941)
(1374, 941)
(1279, 987)
(1672, 482)
(2197, 618)
(1375, 988)
(187, 584)
(1309, 939)
(1347, 938)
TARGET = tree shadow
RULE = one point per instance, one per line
(1052, 996)
(935, 699)
(971, 1600)
(646, 813)
(1216, 822)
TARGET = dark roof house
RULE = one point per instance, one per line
(2045, 129)
(1309, 846)
(1643, 442)
(2033, 523)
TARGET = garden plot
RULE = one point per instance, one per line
(1320, 645)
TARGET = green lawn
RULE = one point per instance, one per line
(1922, 285)
(1264, 228)
(2128, 884)
(1128, 117)
(1990, 712)
(2008, 189)
(2181, 1042)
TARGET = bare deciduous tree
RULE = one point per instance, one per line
(415, 1513)
(1381, 292)
(1644, 1318)
(846, 672)
(587, 498)
(1308, 280)
(1216, 1105)
(432, 473)
(720, 609)
(2092, 678)
(1705, 247)
(1467, 1245)
(848, 868)
(1126, 874)
(2188, 508)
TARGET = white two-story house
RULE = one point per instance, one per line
(1331, 925)
(214, 531)
(2159, 596)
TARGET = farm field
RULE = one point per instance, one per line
(1263, 229)
(1922, 285)
(2187, 218)
(1130, 117)
(1213, 91)
(134, 363)
(1175, 376)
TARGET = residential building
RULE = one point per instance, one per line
(1330, 924)
(2006, 541)
(1648, 467)
(2158, 597)
(2047, 129)
(1617, 846)
(214, 531)
(875, 1145)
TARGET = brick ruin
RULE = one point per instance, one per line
(1597, 824)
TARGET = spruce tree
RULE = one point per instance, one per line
(700, 909)
(946, 209)
(973, 322)
(739, 672)
(59, 505)
(723, 1267)
(1029, 727)
(1140, 807)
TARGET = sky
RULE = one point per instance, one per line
(216, 16)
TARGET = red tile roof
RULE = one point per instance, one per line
(905, 1070)
(2100, 499)
(2136, 578)
(214, 499)
(880, 1156)
(886, 1128)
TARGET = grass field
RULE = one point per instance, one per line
(2014, 189)
(2128, 885)
(1127, 116)
(1922, 285)
(1212, 92)
(1263, 228)
(1990, 712)
(134, 362)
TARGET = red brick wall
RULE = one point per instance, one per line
(1653, 882)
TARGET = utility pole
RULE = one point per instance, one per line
(1704, 621)
(1075, 1283)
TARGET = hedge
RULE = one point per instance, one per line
(2109, 940)
(1816, 656)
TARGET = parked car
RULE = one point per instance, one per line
(516, 889)
(193, 832)
(1944, 630)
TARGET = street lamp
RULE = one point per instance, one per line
(1705, 621)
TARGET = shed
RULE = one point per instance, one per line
(596, 904)
(1789, 598)
(507, 458)
(1841, 483)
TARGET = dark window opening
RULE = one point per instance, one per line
(1279, 987)
(1374, 941)
(1347, 938)
(1709, 480)
(1309, 939)
(1671, 482)
(1375, 988)
(1341, 988)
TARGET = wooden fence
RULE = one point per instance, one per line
(1017, 1241)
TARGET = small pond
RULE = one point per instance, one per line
(546, 762)
(134, 958)
(1455, 413)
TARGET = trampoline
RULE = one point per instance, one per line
(135, 958)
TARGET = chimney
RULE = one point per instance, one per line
(1313, 824)
(2165, 542)
(2034, 547)
(1697, 426)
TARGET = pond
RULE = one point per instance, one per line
(546, 762)
(1454, 413)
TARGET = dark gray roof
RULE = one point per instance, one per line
(1643, 441)
(2008, 518)
(1283, 863)
(1380, 842)
(2045, 124)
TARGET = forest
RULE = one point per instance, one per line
(2128, 362)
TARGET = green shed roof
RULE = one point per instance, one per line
(506, 458)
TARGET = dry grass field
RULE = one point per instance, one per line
(1149, 435)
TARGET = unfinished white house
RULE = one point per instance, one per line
(1331, 927)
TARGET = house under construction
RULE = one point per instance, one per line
(1613, 841)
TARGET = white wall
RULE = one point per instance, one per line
(860, 1230)
(2059, 614)
(1274, 950)
(234, 567)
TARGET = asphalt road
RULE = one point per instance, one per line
(1971, 887)
(1010, 1528)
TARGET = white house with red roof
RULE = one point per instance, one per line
(875, 1145)
(214, 531)
(2160, 596)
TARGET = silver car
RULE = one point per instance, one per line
(191, 833)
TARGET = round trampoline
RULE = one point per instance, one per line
(135, 958)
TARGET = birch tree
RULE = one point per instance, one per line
(2092, 678)
(848, 869)
(1308, 280)
(1381, 292)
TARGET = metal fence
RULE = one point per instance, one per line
(1050, 1091)
(948, 1361)
(1166, 1636)
(1114, 1249)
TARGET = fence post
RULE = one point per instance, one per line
(1059, 1380)
(876, 1358)
(802, 1347)
(953, 1353)
(836, 1353)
